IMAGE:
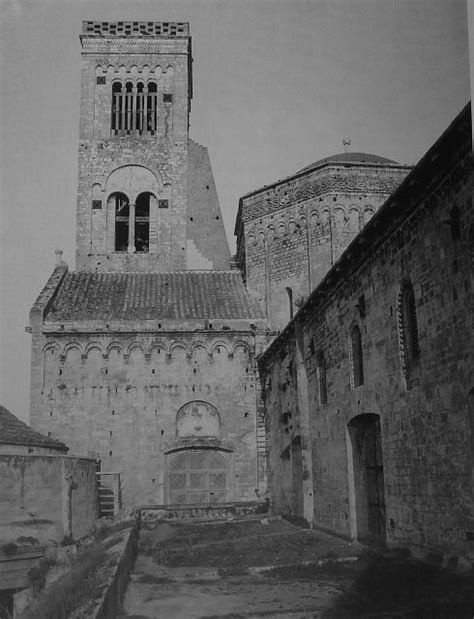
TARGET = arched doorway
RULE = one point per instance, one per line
(197, 476)
(366, 479)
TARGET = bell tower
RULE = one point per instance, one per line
(136, 90)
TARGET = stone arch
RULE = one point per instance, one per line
(281, 228)
(291, 226)
(51, 346)
(133, 180)
(198, 419)
(176, 347)
(159, 346)
(135, 345)
(217, 345)
(271, 232)
(302, 221)
(241, 344)
(354, 220)
(72, 346)
(315, 220)
(115, 346)
(251, 238)
(367, 213)
(92, 346)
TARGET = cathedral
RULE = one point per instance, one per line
(145, 355)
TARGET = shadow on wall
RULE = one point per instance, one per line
(398, 586)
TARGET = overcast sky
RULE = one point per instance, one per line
(277, 84)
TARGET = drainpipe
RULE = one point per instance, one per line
(68, 487)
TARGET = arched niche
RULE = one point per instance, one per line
(197, 419)
(133, 180)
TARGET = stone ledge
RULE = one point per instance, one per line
(121, 551)
(218, 511)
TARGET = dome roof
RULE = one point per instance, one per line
(16, 432)
(350, 158)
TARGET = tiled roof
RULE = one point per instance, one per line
(147, 296)
(16, 432)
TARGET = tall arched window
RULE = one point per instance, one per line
(128, 125)
(116, 107)
(142, 222)
(356, 357)
(321, 374)
(408, 328)
(151, 108)
(122, 221)
(140, 106)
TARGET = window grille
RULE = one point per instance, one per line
(321, 373)
(134, 108)
(356, 357)
(408, 328)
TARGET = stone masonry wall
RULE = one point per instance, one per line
(294, 234)
(164, 155)
(118, 395)
(34, 496)
(206, 237)
(427, 425)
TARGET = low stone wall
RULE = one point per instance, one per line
(46, 497)
(218, 511)
(121, 551)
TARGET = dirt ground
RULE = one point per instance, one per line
(248, 569)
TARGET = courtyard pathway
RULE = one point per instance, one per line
(248, 569)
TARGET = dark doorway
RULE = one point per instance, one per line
(366, 479)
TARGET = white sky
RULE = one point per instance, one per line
(277, 84)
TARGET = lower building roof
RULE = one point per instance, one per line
(16, 432)
(179, 295)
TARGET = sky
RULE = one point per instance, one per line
(278, 84)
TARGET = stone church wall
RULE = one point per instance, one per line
(291, 235)
(426, 421)
(119, 395)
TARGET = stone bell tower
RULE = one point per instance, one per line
(135, 156)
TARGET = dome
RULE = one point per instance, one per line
(342, 158)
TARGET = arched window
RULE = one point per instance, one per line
(128, 107)
(122, 220)
(139, 108)
(116, 107)
(356, 357)
(151, 108)
(142, 222)
(134, 108)
(408, 328)
(321, 374)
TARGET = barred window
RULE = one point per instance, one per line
(408, 328)
(321, 373)
(356, 357)
(134, 108)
